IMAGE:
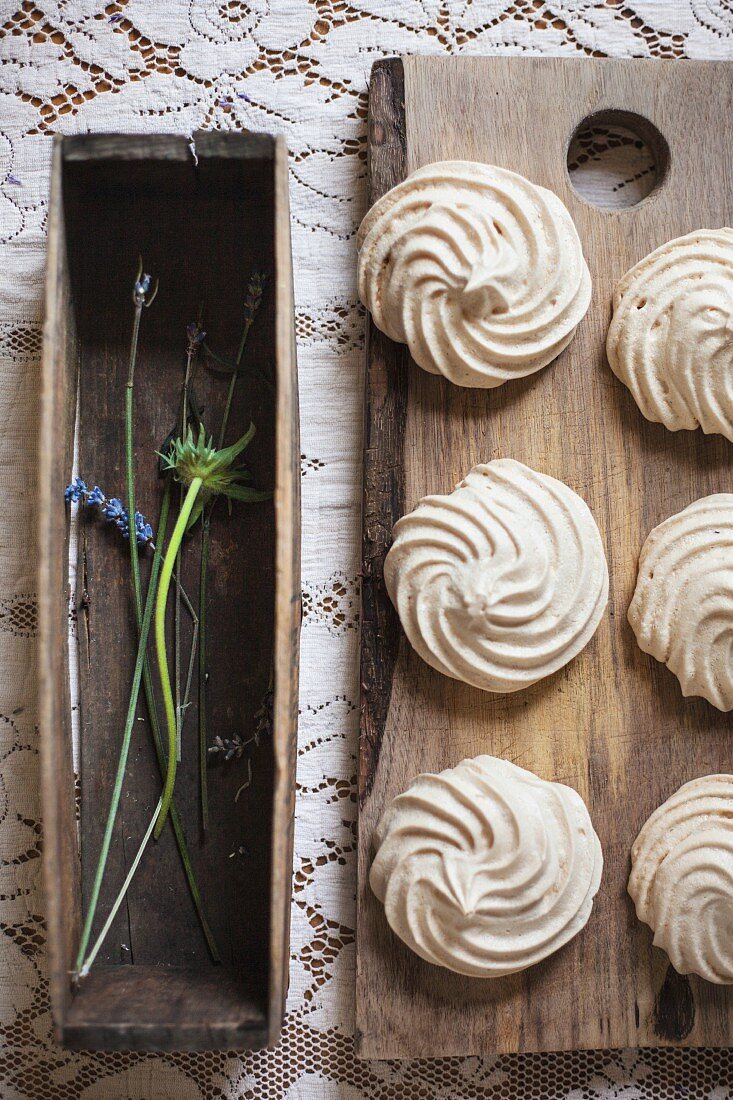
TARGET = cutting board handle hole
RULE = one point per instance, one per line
(616, 159)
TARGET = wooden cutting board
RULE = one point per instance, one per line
(613, 723)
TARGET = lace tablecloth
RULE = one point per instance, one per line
(299, 67)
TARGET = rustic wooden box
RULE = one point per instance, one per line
(202, 224)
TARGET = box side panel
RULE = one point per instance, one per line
(58, 402)
(288, 598)
(155, 1008)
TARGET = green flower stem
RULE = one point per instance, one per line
(177, 612)
(203, 735)
(158, 740)
(165, 680)
(125, 748)
(177, 654)
(233, 380)
(130, 482)
(144, 632)
(130, 462)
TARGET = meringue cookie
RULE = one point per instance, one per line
(485, 868)
(682, 610)
(671, 336)
(502, 581)
(480, 272)
(682, 878)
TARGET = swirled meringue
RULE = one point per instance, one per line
(480, 272)
(671, 336)
(485, 868)
(502, 581)
(682, 878)
(682, 610)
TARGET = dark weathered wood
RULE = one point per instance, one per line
(385, 408)
(172, 1008)
(202, 228)
(613, 723)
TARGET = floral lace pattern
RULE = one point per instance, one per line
(299, 67)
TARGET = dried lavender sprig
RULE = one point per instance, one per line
(233, 748)
(227, 748)
(112, 509)
(252, 303)
(196, 337)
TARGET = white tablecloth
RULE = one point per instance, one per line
(299, 67)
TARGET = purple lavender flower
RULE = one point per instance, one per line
(76, 491)
(143, 530)
(141, 288)
(196, 336)
(112, 510)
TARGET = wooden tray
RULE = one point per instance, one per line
(613, 723)
(202, 228)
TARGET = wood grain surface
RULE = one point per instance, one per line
(202, 228)
(613, 723)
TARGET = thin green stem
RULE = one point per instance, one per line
(186, 702)
(203, 736)
(165, 680)
(130, 460)
(233, 381)
(122, 761)
(187, 602)
(227, 409)
(130, 482)
(186, 697)
(177, 654)
(88, 963)
(177, 610)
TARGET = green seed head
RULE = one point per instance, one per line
(192, 458)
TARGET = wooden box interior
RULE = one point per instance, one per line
(202, 224)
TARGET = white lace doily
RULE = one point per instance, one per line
(299, 67)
